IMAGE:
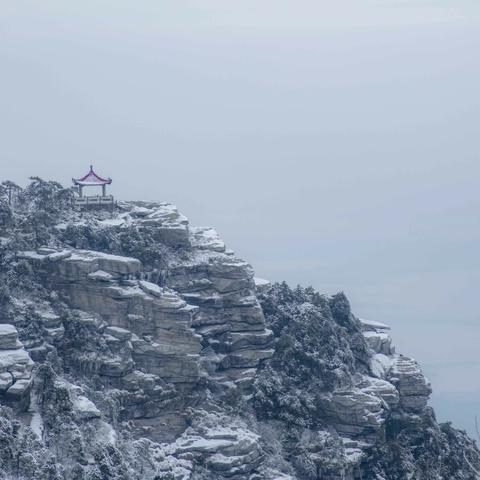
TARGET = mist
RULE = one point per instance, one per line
(330, 143)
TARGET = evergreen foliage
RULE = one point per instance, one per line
(318, 346)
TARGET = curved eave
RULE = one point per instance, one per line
(91, 184)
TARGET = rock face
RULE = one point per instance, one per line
(156, 322)
(160, 356)
(410, 382)
(230, 319)
(15, 369)
(227, 448)
(402, 372)
(170, 226)
(204, 321)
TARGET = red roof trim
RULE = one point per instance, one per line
(92, 178)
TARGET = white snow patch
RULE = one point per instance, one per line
(106, 433)
(151, 288)
(101, 276)
(373, 324)
(36, 422)
(381, 365)
(113, 222)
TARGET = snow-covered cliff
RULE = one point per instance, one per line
(135, 346)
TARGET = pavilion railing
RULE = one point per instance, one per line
(94, 200)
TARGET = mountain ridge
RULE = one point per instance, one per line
(134, 345)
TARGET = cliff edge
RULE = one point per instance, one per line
(136, 346)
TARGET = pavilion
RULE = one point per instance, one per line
(91, 179)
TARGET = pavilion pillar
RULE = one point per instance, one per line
(104, 190)
(80, 191)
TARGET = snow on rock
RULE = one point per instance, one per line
(151, 288)
(206, 238)
(101, 276)
(141, 211)
(139, 307)
(45, 250)
(170, 226)
(15, 369)
(354, 412)
(9, 337)
(261, 284)
(50, 319)
(382, 389)
(105, 433)
(77, 264)
(413, 387)
(36, 420)
(114, 222)
(204, 322)
(224, 444)
(119, 333)
(380, 365)
(223, 289)
(372, 325)
(379, 342)
(61, 255)
(83, 262)
(84, 408)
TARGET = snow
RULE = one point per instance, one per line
(113, 222)
(105, 256)
(141, 211)
(14, 357)
(36, 422)
(31, 255)
(373, 324)
(203, 444)
(119, 333)
(7, 329)
(106, 433)
(151, 288)
(381, 365)
(207, 238)
(100, 275)
(20, 387)
(45, 250)
(84, 407)
(59, 255)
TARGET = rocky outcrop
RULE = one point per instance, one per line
(230, 319)
(414, 389)
(205, 274)
(224, 445)
(15, 369)
(397, 384)
(164, 369)
(157, 322)
(402, 372)
(169, 226)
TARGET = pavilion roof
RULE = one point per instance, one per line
(91, 179)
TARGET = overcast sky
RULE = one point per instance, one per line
(332, 143)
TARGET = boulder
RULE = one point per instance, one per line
(224, 444)
(262, 285)
(206, 238)
(353, 412)
(9, 337)
(379, 342)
